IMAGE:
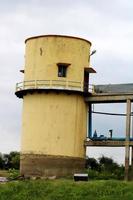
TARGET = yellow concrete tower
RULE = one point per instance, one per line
(54, 123)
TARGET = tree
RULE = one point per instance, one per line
(15, 160)
(107, 164)
(11, 160)
(91, 163)
(1, 161)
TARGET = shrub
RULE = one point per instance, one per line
(104, 169)
(13, 173)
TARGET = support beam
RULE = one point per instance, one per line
(132, 151)
(90, 121)
(108, 98)
(127, 147)
(107, 143)
(131, 173)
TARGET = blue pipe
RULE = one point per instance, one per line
(106, 138)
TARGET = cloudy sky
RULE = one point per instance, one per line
(107, 24)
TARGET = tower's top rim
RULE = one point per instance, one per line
(65, 36)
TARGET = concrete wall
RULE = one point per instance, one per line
(43, 54)
(54, 124)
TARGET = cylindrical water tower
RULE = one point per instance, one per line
(54, 123)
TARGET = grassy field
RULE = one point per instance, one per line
(66, 190)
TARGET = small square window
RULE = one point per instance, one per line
(62, 69)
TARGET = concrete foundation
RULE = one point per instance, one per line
(46, 166)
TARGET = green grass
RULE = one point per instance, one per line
(66, 190)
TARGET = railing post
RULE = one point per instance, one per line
(50, 84)
(16, 86)
(93, 89)
(67, 84)
(23, 85)
(35, 84)
(81, 86)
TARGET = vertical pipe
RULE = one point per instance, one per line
(90, 121)
(127, 147)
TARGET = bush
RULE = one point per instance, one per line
(92, 163)
(13, 173)
(104, 169)
(11, 160)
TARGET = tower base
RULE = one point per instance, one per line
(39, 165)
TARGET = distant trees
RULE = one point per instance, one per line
(108, 164)
(104, 168)
(92, 163)
(1, 161)
(10, 161)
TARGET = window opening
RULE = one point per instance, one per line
(62, 69)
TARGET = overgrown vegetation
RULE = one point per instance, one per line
(66, 190)
(104, 169)
(10, 161)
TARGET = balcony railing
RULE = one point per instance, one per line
(52, 84)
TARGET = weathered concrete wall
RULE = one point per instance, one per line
(45, 166)
(54, 124)
(43, 54)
